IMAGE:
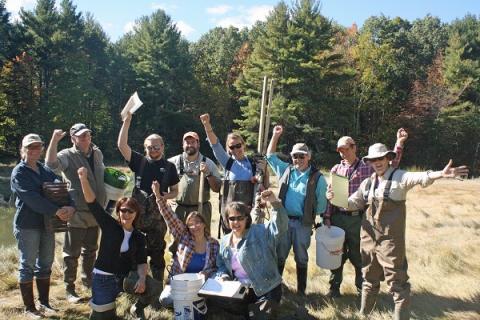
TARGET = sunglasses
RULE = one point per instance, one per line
(298, 156)
(126, 210)
(235, 146)
(154, 148)
(237, 218)
(376, 159)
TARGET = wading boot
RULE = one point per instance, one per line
(31, 312)
(301, 279)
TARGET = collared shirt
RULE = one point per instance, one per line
(241, 170)
(186, 243)
(297, 187)
(402, 182)
(357, 172)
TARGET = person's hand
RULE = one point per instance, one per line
(329, 194)
(327, 222)
(449, 172)
(204, 168)
(58, 135)
(277, 130)
(61, 213)
(205, 118)
(69, 211)
(82, 173)
(402, 136)
(269, 196)
(156, 189)
(140, 285)
(128, 117)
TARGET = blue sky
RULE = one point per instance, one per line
(195, 17)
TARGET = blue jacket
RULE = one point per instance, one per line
(257, 252)
(31, 205)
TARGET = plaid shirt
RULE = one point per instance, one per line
(357, 172)
(186, 243)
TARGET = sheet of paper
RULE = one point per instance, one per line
(230, 289)
(132, 105)
(340, 191)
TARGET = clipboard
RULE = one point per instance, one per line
(226, 289)
(340, 186)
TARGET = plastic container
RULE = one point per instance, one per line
(187, 304)
(329, 246)
(115, 182)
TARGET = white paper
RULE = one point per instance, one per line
(229, 289)
(132, 105)
(340, 191)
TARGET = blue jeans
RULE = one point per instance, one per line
(299, 237)
(105, 288)
(37, 251)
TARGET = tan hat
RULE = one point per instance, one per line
(300, 148)
(191, 134)
(345, 141)
(31, 138)
(78, 129)
(378, 150)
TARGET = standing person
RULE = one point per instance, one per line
(248, 254)
(82, 234)
(350, 221)
(197, 251)
(239, 182)
(122, 258)
(149, 168)
(302, 191)
(382, 244)
(189, 164)
(35, 243)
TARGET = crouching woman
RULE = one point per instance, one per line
(122, 254)
(248, 255)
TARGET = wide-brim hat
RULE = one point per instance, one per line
(378, 150)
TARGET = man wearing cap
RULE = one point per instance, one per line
(82, 234)
(302, 191)
(350, 221)
(149, 168)
(382, 234)
(189, 164)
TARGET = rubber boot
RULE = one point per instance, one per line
(301, 279)
(43, 288)
(367, 303)
(358, 280)
(26, 290)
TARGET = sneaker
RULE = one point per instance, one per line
(47, 309)
(33, 314)
(137, 313)
(72, 296)
(334, 293)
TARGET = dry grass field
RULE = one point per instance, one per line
(443, 249)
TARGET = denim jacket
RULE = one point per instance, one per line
(256, 252)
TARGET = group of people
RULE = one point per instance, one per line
(175, 193)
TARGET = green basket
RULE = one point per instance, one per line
(116, 178)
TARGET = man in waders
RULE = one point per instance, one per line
(302, 188)
(149, 168)
(356, 170)
(190, 164)
(382, 244)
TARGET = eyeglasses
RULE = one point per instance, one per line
(154, 148)
(126, 210)
(298, 156)
(237, 218)
(377, 159)
(235, 146)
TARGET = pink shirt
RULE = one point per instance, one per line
(237, 268)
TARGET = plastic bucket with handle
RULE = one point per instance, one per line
(329, 246)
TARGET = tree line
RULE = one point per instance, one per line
(58, 67)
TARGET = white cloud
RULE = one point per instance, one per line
(245, 17)
(185, 28)
(107, 25)
(129, 26)
(219, 10)
(14, 6)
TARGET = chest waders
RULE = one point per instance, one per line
(382, 248)
(189, 186)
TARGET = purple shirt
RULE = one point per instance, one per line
(237, 268)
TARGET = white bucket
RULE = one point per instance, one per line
(113, 193)
(329, 247)
(187, 304)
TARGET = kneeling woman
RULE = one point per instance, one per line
(248, 255)
(122, 250)
(196, 251)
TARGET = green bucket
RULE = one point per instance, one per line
(116, 178)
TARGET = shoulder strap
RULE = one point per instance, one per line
(253, 164)
(138, 179)
(204, 159)
(182, 166)
(354, 169)
(229, 164)
(388, 185)
(369, 186)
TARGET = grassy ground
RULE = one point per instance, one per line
(443, 248)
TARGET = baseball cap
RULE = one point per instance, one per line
(300, 148)
(191, 134)
(345, 142)
(31, 138)
(78, 129)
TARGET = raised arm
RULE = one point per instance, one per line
(272, 146)
(122, 142)
(212, 137)
(86, 188)
(51, 155)
(402, 136)
(176, 226)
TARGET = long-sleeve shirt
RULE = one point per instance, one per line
(186, 243)
(356, 173)
(32, 206)
(241, 170)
